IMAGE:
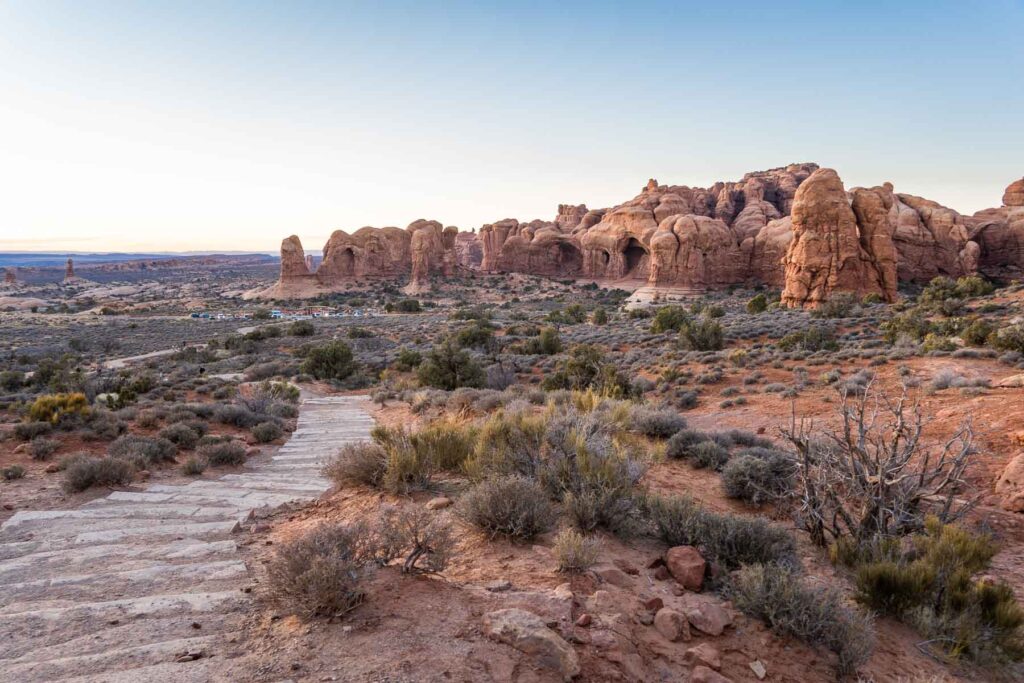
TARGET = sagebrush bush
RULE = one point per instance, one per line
(511, 506)
(358, 463)
(408, 468)
(26, 431)
(680, 446)
(702, 334)
(193, 467)
(732, 540)
(575, 552)
(265, 432)
(330, 361)
(236, 415)
(758, 475)
(142, 451)
(423, 537)
(819, 617)
(41, 448)
(12, 472)
(181, 435)
(224, 453)
(85, 472)
(708, 454)
(321, 572)
(657, 423)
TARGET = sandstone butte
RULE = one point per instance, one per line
(795, 227)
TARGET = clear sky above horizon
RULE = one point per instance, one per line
(230, 125)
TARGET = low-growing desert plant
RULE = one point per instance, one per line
(85, 472)
(511, 506)
(142, 451)
(320, 573)
(358, 463)
(575, 552)
(41, 448)
(703, 333)
(193, 466)
(658, 423)
(12, 472)
(224, 453)
(26, 431)
(448, 366)
(330, 361)
(758, 475)
(53, 408)
(265, 432)
(819, 617)
(181, 435)
(422, 537)
(732, 540)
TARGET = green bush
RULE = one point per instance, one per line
(817, 616)
(977, 333)
(932, 587)
(657, 423)
(449, 367)
(181, 435)
(265, 432)
(41, 448)
(408, 468)
(445, 443)
(972, 286)
(702, 334)
(26, 431)
(731, 540)
(53, 408)
(681, 445)
(511, 506)
(669, 319)
(757, 304)
(408, 359)
(1009, 338)
(585, 369)
(912, 325)
(477, 334)
(508, 443)
(839, 305)
(142, 451)
(85, 472)
(815, 338)
(599, 317)
(408, 306)
(225, 453)
(12, 472)
(332, 360)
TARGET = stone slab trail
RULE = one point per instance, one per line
(123, 587)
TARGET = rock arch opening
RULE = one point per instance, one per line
(569, 259)
(636, 259)
(347, 262)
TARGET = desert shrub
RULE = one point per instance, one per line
(301, 328)
(276, 391)
(12, 472)
(935, 342)
(658, 423)
(265, 432)
(478, 333)
(599, 317)
(973, 285)
(142, 451)
(408, 468)
(105, 425)
(424, 538)
(575, 552)
(682, 443)
(357, 332)
(320, 573)
(757, 304)
(1009, 338)
(511, 506)
(330, 361)
(839, 305)
(702, 334)
(236, 415)
(449, 367)
(181, 435)
(817, 616)
(669, 319)
(445, 443)
(193, 467)
(408, 359)
(758, 475)
(731, 540)
(910, 325)
(53, 408)
(26, 431)
(932, 587)
(815, 338)
(977, 333)
(284, 411)
(508, 443)
(41, 448)
(708, 454)
(224, 453)
(358, 463)
(585, 369)
(85, 472)
(12, 380)
(408, 306)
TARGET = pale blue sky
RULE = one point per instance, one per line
(217, 125)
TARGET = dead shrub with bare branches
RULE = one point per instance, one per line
(876, 475)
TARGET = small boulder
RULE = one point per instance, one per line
(686, 566)
(672, 625)
(526, 632)
(708, 618)
(613, 575)
(1010, 485)
(1011, 382)
(759, 669)
(498, 585)
(704, 654)
(439, 503)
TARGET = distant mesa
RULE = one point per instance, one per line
(794, 227)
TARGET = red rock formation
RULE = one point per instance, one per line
(829, 253)
(9, 277)
(69, 270)
(1000, 232)
(309, 263)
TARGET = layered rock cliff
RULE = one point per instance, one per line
(794, 227)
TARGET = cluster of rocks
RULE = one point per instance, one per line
(795, 227)
(651, 624)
